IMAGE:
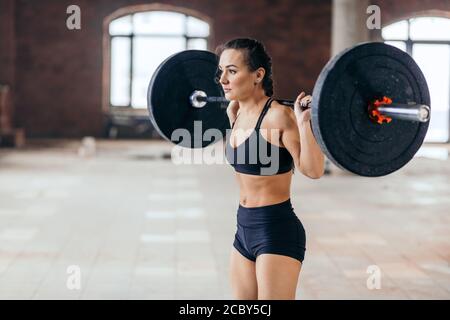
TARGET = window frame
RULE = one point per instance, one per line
(409, 43)
(124, 113)
(132, 36)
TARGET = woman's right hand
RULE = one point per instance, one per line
(302, 107)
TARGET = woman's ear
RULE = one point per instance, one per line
(260, 73)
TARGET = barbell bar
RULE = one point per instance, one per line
(410, 112)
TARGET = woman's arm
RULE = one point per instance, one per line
(312, 160)
(298, 138)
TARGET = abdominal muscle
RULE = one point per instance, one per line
(258, 191)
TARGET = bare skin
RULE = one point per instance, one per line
(272, 276)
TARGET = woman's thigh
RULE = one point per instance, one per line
(243, 277)
(277, 276)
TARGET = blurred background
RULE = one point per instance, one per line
(92, 207)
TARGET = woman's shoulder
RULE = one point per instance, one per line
(280, 116)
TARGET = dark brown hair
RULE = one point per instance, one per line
(255, 56)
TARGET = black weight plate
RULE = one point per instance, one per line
(168, 98)
(341, 96)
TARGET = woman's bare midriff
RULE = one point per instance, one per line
(258, 191)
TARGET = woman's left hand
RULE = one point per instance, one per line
(303, 101)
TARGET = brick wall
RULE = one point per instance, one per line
(7, 42)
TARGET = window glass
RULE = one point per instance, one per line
(159, 22)
(434, 61)
(120, 71)
(148, 53)
(396, 31)
(399, 44)
(197, 44)
(430, 28)
(121, 26)
(197, 27)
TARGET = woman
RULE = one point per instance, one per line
(269, 244)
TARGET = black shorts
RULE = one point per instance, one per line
(270, 229)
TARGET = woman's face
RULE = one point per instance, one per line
(237, 81)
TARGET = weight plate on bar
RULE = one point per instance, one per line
(341, 96)
(168, 99)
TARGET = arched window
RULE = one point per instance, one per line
(427, 40)
(139, 42)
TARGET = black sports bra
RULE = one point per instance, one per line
(256, 155)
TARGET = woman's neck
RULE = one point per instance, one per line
(253, 104)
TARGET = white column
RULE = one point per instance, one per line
(348, 24)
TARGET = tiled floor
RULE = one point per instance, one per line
(127, 224)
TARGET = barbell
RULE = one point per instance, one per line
(370, 105)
